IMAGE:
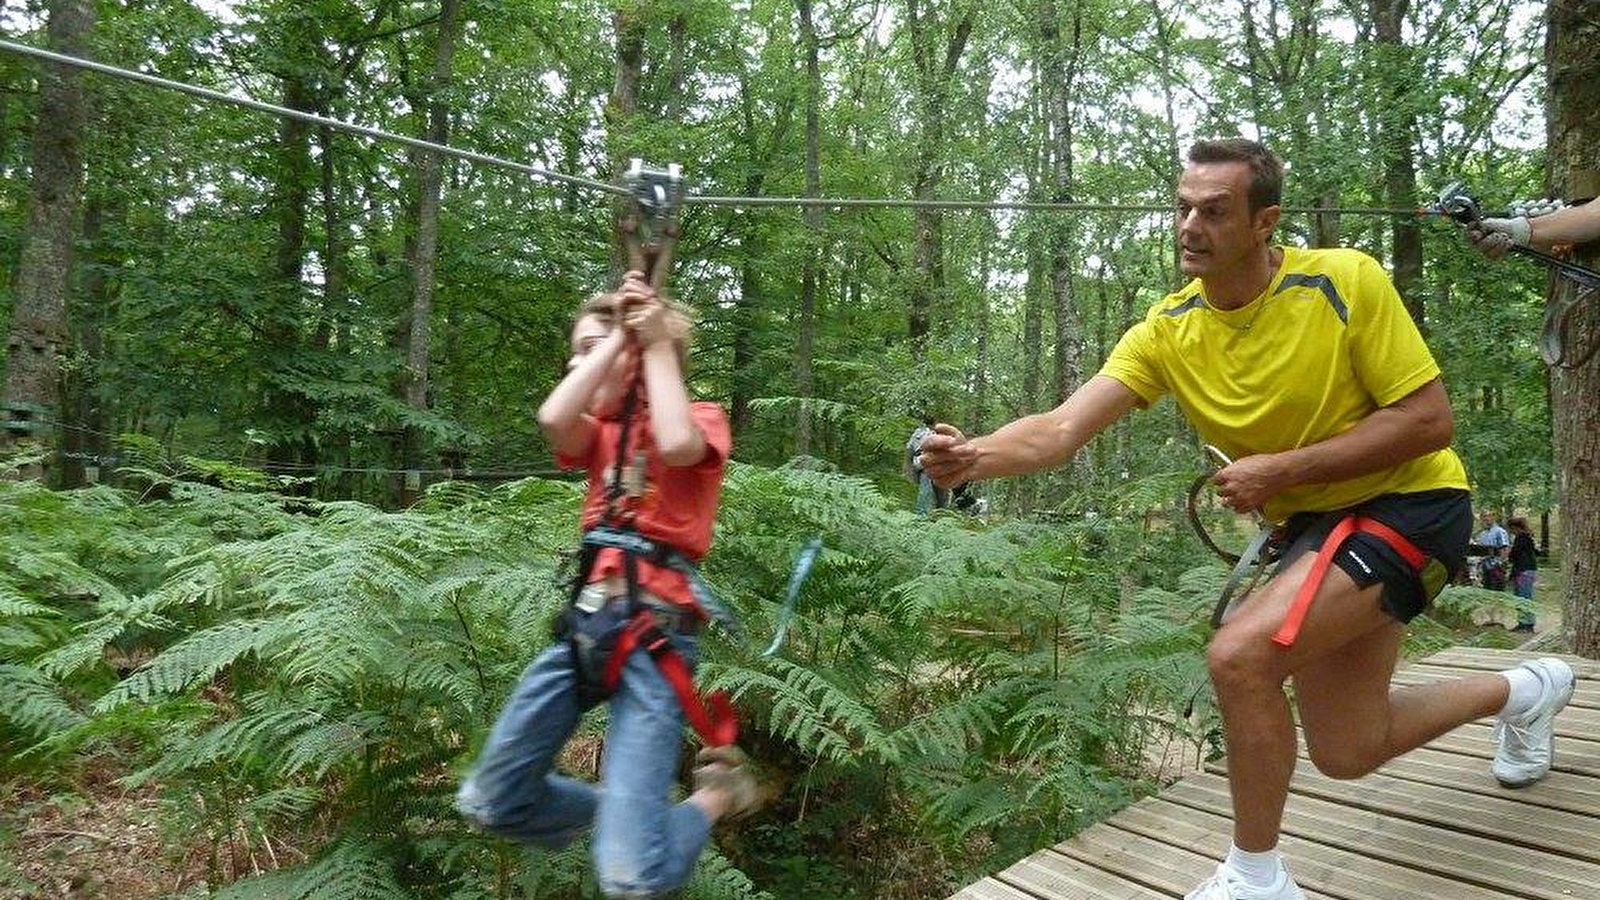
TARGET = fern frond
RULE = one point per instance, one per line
(34, 703)
(822, 718)
(352, 870)
(715, 877)
(192, 660)
(323, 746)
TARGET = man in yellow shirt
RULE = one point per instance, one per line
(1305, 368)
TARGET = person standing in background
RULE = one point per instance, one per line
(1524, 571)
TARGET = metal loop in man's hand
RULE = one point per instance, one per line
(1252, 563)
(1192, 506)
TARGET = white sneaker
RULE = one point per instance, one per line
(1227, 885)
(1525, 745)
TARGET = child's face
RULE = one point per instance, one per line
(586, 335)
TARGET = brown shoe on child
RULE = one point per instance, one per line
(725, 769)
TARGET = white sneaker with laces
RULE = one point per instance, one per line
(1227, 885)
(1525, 745)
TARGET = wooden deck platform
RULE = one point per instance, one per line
(1431, 825)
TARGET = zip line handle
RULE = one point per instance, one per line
(650, 229)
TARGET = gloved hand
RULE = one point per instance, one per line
(1495, 236)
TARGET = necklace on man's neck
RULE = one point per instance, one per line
(1274, 263)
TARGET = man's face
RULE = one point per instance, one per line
(589, 331)
(1216, 231)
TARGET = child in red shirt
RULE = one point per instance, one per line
(672, 467)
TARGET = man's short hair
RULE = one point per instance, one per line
(1266, 170)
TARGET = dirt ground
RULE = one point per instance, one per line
(90, 838)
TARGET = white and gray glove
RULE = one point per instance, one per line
(1495, 236)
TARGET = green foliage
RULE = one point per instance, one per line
(326, 671)
(228, 621)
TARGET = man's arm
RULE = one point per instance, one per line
(1572, 225)
(1029, 444)
(1416, 424)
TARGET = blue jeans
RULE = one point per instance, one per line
(1522, 585)
(643, 844)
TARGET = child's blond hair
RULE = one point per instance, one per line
(680, 319)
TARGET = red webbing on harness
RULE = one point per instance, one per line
(712, 718)
(1290, 629)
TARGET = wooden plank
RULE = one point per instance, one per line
(1568, 793)
(1489, 659)
(1585, 693)
(1048, 874)
(1447, 853)
(1318, 868)
(990, 889)
(1499, 819)
(1151, 859)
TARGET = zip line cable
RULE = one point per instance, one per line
(287, 113)
(879, 202)
(692, 199)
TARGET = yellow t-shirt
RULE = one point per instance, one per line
(1326, 344)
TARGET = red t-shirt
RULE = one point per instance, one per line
(679, 505)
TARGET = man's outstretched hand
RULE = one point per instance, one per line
(947, 456)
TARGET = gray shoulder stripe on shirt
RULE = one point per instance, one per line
(1194, 302)
(1322, 283)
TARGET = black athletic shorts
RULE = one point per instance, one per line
(1438, 522)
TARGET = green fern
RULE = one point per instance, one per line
(34, 703)
(351, 870)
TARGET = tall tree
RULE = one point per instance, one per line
(1061, 43)
(805, 338)
(1572, 64)
(39, 328)
(423, 247)
(937, 44)
(1396, 73)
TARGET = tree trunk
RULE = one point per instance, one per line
(333, 331)
(1398, 137)
(289, 411)
(39, 327)
(1060, 77)
(981, 325)
(620, 109)
(934, 75)
(424, 249)
(84, 404)
(1170, 118)
(1572, 61)
(805, 339)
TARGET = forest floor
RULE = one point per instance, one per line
(88, 837)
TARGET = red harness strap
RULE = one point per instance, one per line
(712, 718)
(1319, 568)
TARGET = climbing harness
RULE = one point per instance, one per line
(1267, 548)
(1557, 334)
(1261, 552)
(1347, 526)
